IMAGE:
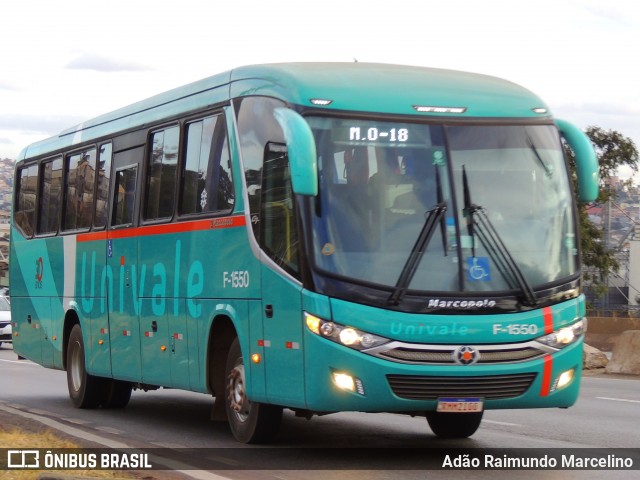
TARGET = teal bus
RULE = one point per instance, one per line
(316, 237)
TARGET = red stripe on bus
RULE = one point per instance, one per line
(179, 227)
(91, 237)
(547, 370)
(548, 320)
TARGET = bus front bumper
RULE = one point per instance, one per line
(342, 379)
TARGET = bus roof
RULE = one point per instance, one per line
(357, 87)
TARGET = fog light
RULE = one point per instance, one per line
(344, 381)
(565, 378)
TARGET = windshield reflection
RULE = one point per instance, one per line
(518, 175)
(378, 181)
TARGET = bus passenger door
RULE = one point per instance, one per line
(163, 323)
(282, 321)
(281, 292)
(123, 273)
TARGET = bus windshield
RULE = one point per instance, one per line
(504, 189)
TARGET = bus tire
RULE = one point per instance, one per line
(85, 391)
(454, 425)
(117, 394)
(250, 422)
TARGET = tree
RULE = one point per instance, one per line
(614, 150)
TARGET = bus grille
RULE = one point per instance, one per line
(487, 354)
(416, 387)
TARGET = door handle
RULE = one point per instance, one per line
(268, 311)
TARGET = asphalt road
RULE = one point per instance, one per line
(607, 415)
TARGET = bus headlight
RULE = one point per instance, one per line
(349, 336)
(565, 335)
(342, 334)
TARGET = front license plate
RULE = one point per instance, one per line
(460, 405)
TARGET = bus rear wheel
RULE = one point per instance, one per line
(117, 394)
(250, 422)
(85, 391)
(454, 425)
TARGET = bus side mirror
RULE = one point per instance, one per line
(301, 148)
(586, 160)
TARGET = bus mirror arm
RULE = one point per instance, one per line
(301, 149)
(586, 160)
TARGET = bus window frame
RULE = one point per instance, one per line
(179, 216)
(65, 173)
(16, 194)
(40, 183)
(95, 228)
(112, 205)
(145, 170)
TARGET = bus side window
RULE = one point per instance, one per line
(279, 235)
(125, 195)
(207, 184)
(161, 174)
(78, 190)
(257, 127)
(50, 195)
(102, 191)
(24, 214)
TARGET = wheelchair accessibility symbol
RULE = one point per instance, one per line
(478, 269)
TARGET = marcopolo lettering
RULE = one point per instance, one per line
(462, 304)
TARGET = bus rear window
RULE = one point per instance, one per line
(24, 215)
(50, 193)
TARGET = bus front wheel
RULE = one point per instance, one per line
(86, 391)
(250, 422)
(454, 425)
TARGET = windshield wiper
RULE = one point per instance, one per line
(468, 211)
(419, 248)
(478, 222)
(548, 169)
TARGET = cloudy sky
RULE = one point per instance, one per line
(62, 62)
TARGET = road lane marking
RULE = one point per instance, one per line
(618, 399)
(21, 362)
(77, 421)
(65, 428)
(506, 424)
(112, 430)
(43, 413)
(168, 445)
